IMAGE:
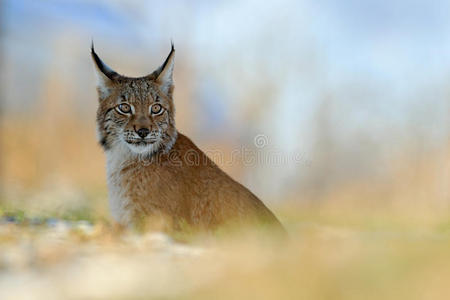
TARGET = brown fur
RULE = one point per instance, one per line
(168, 175)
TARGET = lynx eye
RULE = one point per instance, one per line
(124, 108)
(156, 109)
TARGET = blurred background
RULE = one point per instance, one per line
(351, 98)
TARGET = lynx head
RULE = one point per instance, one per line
(136, 112)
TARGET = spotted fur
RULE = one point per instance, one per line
(155, 175)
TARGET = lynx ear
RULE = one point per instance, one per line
(105, 75)
(164, 73)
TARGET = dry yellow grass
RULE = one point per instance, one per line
(353, 256)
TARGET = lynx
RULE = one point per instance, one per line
(150, 167)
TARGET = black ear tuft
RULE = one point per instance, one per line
(107, 78)
(102, 67)
(164, 74)
(168, 59)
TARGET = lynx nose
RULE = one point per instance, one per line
(143, 132)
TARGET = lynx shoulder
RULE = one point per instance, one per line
(152, 169)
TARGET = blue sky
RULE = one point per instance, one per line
(386, 38)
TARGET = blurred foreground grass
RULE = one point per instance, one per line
(330, 255)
